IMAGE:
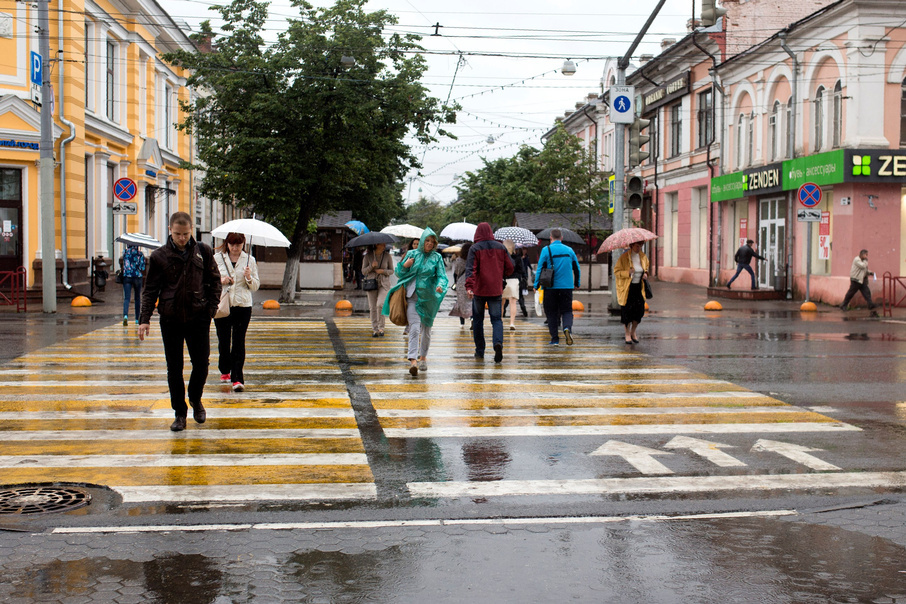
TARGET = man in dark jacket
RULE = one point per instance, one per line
(185, 282)
(743, 258)
(487, 266)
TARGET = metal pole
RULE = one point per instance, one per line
(619, 172)
(808, 265)
(46, 168)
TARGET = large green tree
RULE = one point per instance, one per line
(291, 130)
(560, 177)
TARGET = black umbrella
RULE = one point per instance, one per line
(371, 238)
(568, 236)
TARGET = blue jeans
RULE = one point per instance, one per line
(739, 269)
(130, 283)
(494, 309)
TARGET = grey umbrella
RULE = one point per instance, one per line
(568, 236)
(371, 238)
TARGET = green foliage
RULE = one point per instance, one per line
(287, 132)
(427, 213)
(561, 177)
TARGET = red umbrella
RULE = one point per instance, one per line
(625, 237)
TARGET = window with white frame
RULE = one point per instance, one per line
(168, 117)
(676, 130)
(774, 135)
(750, 140)
(837, 115)
(110, 80)
(741, 141)
(788, 123)
(819, 119)
(705, 118)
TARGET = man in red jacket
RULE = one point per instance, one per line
(487, 266)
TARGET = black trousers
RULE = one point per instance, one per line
(231, 341)
(196, 335)
(558, 305)
(855, 286)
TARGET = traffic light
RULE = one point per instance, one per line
(711, 12)
(634, 193)
(636, 141)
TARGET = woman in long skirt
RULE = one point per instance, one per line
(629, 273)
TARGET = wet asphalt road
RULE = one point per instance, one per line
(816, 541)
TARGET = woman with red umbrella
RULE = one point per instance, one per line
(629, 272)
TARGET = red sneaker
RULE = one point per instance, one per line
(238, 387)
(224, 377)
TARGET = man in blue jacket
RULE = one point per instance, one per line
(558, 299)
(487, 266)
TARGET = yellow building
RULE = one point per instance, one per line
(115, 107)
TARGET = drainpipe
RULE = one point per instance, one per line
(594, 122)
(63, 143)
(791, 146)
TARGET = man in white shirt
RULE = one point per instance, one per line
(858, 282)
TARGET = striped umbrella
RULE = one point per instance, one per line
(139, 239)
(520, 236)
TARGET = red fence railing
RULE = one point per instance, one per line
(894, 293)
(14, 282)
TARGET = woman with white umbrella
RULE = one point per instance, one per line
(239, 276)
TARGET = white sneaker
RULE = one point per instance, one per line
(423, 365)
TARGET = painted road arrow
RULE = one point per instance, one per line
(797, 453)
(641, 458)
(710, 451)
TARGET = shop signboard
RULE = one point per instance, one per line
(822, 169)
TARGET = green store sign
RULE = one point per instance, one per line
(824, 169)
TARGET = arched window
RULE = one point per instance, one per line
(837, 125)
(819, 118)
(750, 139)
(774, 132)
(788, 124)
(741, 140)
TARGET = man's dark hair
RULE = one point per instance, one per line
(863, 252)
(749, 242)
(556, 234)
(180, 218)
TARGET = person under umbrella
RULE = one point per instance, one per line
(239, 274)
(133, 265)
(463, 306)
(629, 272)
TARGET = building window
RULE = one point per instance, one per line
(837, 124)
(168, 126)
(774, 144)
(676, 130)
(750, 140)
(741, 140)
(819, 118)
(111, 79)
(788, 124)
(705, 118)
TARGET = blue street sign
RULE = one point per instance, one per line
(809, 195)
(622, 104)
(37, 69)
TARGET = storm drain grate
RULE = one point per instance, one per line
(42, 500)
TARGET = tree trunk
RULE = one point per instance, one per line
(293, 254)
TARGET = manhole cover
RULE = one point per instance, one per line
(42, 500)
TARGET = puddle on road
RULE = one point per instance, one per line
(703, 561)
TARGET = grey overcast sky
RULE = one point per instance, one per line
(509, 85)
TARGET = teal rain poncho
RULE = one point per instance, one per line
(429, 273)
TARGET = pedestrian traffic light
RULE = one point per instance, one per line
(636, 141)
(634, 193)
(711, 12)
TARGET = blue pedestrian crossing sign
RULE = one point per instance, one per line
(622, 104)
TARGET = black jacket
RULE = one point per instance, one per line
(745, 254)
(184, 289)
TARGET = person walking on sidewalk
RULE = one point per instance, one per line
(629, 273)
(183, 277)
(133, 265)
(423, 274)
(743, 259)
(463, 306)
(858, 282)
(558, 299)
(377, 265)
(486, 268)
(238, 273)
(513, 283)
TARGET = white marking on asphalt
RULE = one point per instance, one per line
(166, 461)
(221, 413)
(709, 450)
(249, 394)
(641, 458)
(491, 432)
(555, 394)
(438, 523)
(823, 409)
(246, 493)
(797, 453)
(164, 434)
(566, 411)
(659, 485)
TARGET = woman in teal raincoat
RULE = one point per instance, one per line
(424, 276)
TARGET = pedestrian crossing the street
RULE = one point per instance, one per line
(326, 404)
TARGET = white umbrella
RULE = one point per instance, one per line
(406, 231)
(517, 235)
(459, 231)
(263, 233)
(140, 240)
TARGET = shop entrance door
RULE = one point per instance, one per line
(771, 238)
(10, 219)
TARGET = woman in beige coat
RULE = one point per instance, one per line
(629, 272)
(377, 265)
(239, 276)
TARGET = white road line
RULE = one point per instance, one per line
(640, 458)
(164, 434)
(493, 432)
(535, 395)
(162, 383)
(658, 485)
(707, 449)
(558, 371)
(243, 493)
(162, 461)
(438, 523)
(562, 411)
(797, 453)
(218, 412)
(249, 395)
